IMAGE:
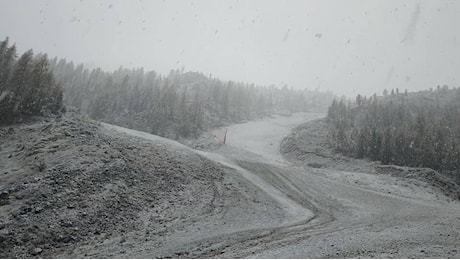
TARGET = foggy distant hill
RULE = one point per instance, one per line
(178, 105)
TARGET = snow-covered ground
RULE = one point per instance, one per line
(70, 189)
(262, 137)
(255, 140)
(327, 212)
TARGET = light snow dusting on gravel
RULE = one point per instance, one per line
(70, 188)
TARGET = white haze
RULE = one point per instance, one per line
(348, 47)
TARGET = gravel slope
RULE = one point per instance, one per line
(71, 189)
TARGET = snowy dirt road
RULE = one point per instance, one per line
(312, 212)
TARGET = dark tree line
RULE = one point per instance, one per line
(27, 86)
(180, 104)
(417, 129)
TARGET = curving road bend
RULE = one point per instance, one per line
(324, 215)
(348, 220)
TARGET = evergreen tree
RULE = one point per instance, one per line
(413, 130)
(27, 86)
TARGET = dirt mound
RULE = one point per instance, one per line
(307, 145)
(436, 179)
(65, 183)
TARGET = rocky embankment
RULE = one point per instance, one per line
(66, 183)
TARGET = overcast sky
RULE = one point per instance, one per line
(348, 47)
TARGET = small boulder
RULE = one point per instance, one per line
(37, 251)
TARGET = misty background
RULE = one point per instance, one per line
(348, 47)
